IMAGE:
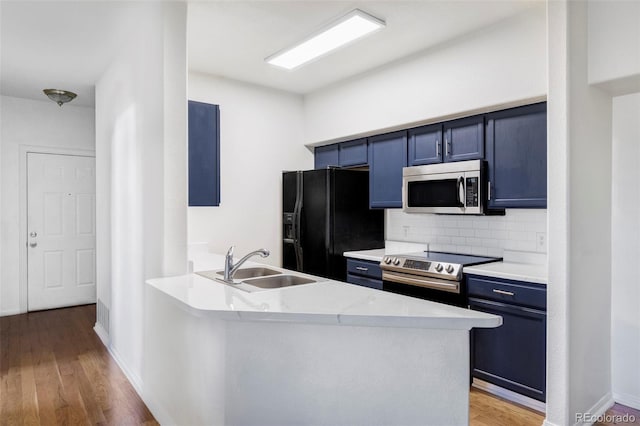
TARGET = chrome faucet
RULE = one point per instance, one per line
(230, 268)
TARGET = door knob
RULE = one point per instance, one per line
(33, 244)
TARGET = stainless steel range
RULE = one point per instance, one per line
(430, 275)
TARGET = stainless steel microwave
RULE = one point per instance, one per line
(448, 188)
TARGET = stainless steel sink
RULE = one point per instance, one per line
(242, 274)
(279, 281)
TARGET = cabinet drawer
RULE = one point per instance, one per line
(364, 268)
(508, 291)
(366, 282)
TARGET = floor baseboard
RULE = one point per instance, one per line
(510, 395)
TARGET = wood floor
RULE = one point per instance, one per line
(54, 370)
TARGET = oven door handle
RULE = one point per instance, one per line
(460, 192)
(443, 285)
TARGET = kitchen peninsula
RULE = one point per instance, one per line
(320, 353)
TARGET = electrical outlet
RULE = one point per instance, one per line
(541, 241)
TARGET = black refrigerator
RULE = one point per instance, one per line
(325, 213)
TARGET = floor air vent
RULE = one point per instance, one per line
(103, 316)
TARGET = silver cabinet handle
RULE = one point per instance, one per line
(360, 268)
(437, 148)
(506, 293)
(446, 147)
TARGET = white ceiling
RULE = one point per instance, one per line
(231, 39)
(67, 45)
(59, 45)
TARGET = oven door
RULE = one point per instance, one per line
(435, 290)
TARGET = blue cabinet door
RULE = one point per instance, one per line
(464, 139)
(517, 157)
(353, 153)
(513, 355)
(325, 156)
(387, 157)
(204, 154)
(425, 145)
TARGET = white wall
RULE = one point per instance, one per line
(141, 197)
(614, 45)
(522, 230)
(502, 64)
(579, 290)
(558, 327)
(261, 131)
(36, 124)
(625, 251)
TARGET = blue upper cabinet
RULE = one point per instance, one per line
(387, 157)
(517, 157)
(425, 145)
(353, 153)
(464, 139)
(346, 154)
(204, 154)
(328, 155)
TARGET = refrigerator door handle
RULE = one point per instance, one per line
(297, 213)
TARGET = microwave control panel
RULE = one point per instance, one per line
(472, 192)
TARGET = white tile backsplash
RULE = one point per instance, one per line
(518, 230)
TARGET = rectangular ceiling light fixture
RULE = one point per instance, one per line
(350, 27)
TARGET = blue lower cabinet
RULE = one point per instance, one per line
(325, 156)
(365, 273)
(365, 282)
(512, 356)
(387, 157)
(204, 154)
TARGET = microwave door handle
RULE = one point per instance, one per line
(460, 194)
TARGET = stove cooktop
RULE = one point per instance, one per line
(460, 259)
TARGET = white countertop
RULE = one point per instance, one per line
(511, 270)
(374, 255)
(325, 302)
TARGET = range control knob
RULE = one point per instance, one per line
(386, 259)
(449, 269)
(438, 267)
(396, 261)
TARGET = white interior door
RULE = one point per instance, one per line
(61, 231)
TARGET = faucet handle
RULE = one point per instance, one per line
(230, 251)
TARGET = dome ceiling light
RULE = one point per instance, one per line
(59, 96)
